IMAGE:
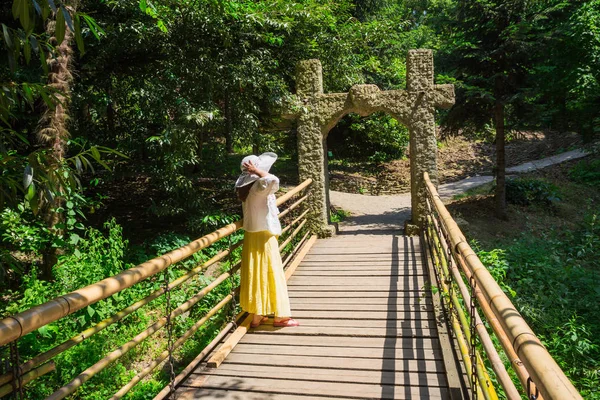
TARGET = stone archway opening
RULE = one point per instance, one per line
(361, 152)
(318, 112)
(368, 155)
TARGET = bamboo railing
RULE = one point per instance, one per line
(17, 326)
(466, 283)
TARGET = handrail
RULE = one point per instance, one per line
(551, 381)
(181, 253)
(16, 326)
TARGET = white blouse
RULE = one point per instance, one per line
(260, 210)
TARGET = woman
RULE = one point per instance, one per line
(263, 289)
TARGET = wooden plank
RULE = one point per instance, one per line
(346, 331)
(356, 273)
(410, 265)
(300, 256)
(373, 252)
(367, 317)
(431, 379)
(333, 389)
(409, 365)
(407, 309)
(391, 323)
(380, 343)
(352, 281)
(356, 294)
(365, 242)
(409, 287)
(274, 389)
(358, 249)
(358, 267)
(417, 298)
(188, 393)
(217, 358)
(348, 352)
(370, 258)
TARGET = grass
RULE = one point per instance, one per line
(549, 256)
(339, 215)
(484, 189)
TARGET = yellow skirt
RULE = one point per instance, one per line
(263, 289)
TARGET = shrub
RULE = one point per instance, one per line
(377, 139)
(586, 172)
(20, 230)
(527, 192)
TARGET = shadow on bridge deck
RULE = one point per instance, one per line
(367, 330)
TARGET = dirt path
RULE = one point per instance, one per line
(389, 212)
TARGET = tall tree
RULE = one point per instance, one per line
(53, 133)
(490, 54)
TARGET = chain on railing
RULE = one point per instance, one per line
(233, 305)
(456, 264)
(17, 326)
(168, 310)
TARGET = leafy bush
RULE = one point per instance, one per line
(99, 254)
(20, 230)
(204, 224)
(338, 215)
(377, 139)
(94, 259)
(586, 172)
(527, 192)
(555, 280)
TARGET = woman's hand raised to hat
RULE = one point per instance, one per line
(252, 169)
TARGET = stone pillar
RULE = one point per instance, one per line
(317, 112)
(423, 145)
(311, 153)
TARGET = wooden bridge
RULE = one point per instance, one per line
(383, 316)
(368, 329)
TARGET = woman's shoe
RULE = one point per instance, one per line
(289, 322)
(262, 321)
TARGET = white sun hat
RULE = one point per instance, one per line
(262, 162)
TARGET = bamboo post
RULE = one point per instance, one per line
(545, 372)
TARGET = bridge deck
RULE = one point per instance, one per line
(367, 331)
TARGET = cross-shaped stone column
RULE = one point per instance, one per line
(415, 107)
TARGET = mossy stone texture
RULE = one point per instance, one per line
(414, 107)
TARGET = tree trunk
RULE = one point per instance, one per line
(500, 162)
(53, 135)
(228, 125)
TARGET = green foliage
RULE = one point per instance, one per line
(527, 192)
(555, 279)
(339, 215)
(21, 231)
(99, 255)
(377, 139)
(205, 224)
(94, 259)
(586, 172)
(576, 352)
(495, 261)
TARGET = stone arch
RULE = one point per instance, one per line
(414, 107)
